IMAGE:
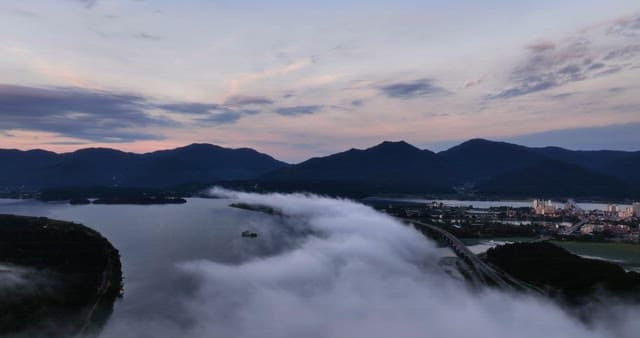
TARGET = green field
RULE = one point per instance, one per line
(627, 255)
(479, 241)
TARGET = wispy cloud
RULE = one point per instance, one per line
(298, 110)
(79, 113)
(189, 107)
(87, 3)
(25, 13)
(579, 57)
(626, 26)
(541, 45)
(245, 79)
(229, 112)
(242, 100)
(147, 36)
(234, 109)
(103, 116)
(226, 116)
(412, 89)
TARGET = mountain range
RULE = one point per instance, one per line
(196, 163)
(480, 167)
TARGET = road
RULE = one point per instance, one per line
(574, 228)
(486, 274)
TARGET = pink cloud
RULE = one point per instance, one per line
(541, 45)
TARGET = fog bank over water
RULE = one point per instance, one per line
(350, 271)
(12, 277)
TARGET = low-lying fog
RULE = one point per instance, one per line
(330, 268)
(356, 273)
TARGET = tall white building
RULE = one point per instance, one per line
(626, 213)
(543, 207)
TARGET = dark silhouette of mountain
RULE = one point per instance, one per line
(490, 168)
(196, 163)
(552, 178)
(626, 168)
(387, 167)
(205, 163)
(478, 165)
(15, 164)
(478, 159)
(508, 169)
(591, 159)
(91, 167)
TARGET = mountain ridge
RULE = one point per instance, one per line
(477, 166)
(195, 163)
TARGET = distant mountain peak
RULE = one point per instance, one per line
(479, 142)
(394, 146)
(401, 142)
(96, 151)
(199, 146)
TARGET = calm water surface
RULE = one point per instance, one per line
(154, 239)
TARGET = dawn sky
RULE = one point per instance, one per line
(298, 79)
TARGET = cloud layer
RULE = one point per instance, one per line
(351, 272)
(79, 113)
(109, 117)
(585, 55)
(412, 89)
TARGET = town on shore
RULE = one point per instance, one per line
(543, 218)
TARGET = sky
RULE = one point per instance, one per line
(297, 79)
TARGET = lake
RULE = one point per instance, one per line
(189, 272)
(153, 239)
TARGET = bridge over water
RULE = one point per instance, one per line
(482, 272)
(568, 231)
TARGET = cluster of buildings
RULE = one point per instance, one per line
(542, 207)
(613, 222)
(608, 222)
(628, 212)
(590, 229)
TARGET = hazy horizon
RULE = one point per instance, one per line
(438, 147)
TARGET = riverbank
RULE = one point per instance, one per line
(627, 255)
(64, 273)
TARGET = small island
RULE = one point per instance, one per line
(141, 200)
(55, 272)
(249, 234)
(257, 207)
(112, 195)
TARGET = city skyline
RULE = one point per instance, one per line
(297, 80)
